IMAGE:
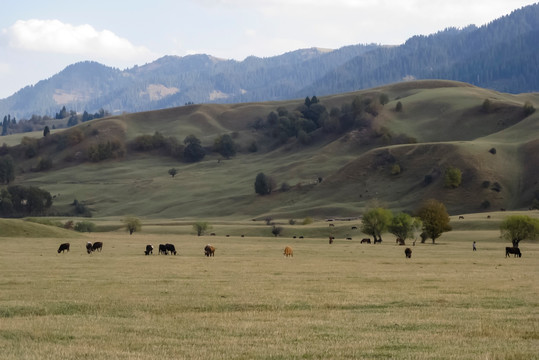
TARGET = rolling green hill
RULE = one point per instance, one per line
(442, 124)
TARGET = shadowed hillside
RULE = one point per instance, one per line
(396, 158)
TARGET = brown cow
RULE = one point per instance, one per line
(288, 251)
(331, 238)
(64, 246)
(408, 252)
(89, 247)
(400, 241)
(366, 241)
(209, 250)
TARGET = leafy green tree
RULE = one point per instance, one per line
(398, 107)
(384, 98)
(276, 230)
(201, 227)
(263, 184)
(225, 146)
(193, 150)
(453, 177)
(435, 219)
(132, 224)
(172, 172)
(528, 108)
(516, 228)
(375, 221)
(404, 226)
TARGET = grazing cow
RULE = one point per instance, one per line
(209, 250)
(212, 234)
(97, 246)
(377, 240)
(366, 241)
(149, 250)
(162, 249)
(89, 247)
(461, 217)
(331, 239)
(332, 225)
(301, 236)
(64, 246)
(400, 241)
(288, 251)
(348, 238)
(171, 248)
(512, 250)
(408, 252)
(488, 216)
(354, 227)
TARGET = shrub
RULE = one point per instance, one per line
(485, 184)
(398, 107)
(485, 204)
(487, 106)
(292, 222)
(85, 226)
(492, 151)
(496, 187)
(528, 108)
(263, 184)
(453, 177)
(307, 221)
(395, 169)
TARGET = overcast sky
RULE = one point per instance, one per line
(40, 38)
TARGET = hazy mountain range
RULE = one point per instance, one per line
(502, 55)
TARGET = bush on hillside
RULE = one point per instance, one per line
(453, 178)
(85, 226)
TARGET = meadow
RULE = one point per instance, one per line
(341, 301)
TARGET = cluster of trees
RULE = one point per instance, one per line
(312, 115)
(19, 201)
(190, 151)
(432, 220)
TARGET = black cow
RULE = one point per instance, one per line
(512, 250)
(408, 252)
(64, 246)
(365, 241)
(209, 250)
(331, 238)
(170, 248)
(162, 249)
(89, 247)
(97, 246)
(149, 250)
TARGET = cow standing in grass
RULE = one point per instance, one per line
(89, 247)
(162, 249)
(209, 250)
(288, 251)
(170, 248)
(97, 246)
(149, 250)
(512, 250)
(408, 253)
(63, 247)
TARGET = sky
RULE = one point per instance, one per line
(40, 38)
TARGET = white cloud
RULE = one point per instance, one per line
(53, 36)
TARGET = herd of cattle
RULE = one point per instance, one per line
(209, 250)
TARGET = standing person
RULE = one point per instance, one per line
(473, 246)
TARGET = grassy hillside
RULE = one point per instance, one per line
(442, 123)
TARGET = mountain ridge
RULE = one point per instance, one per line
(502, 55)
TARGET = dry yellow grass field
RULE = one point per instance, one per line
(339, 301)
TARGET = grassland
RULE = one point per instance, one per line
(340, 301)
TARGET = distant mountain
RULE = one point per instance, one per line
(502, 55)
